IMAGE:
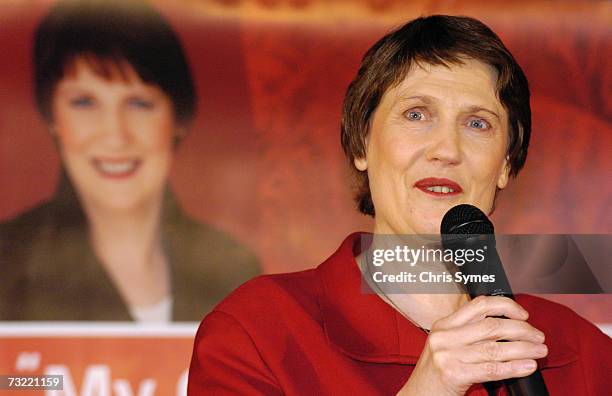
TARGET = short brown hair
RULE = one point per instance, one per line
(110, 32)
(435, 40)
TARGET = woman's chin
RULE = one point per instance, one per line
(118, 203)
(123, 196)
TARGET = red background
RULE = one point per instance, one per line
(263, 160)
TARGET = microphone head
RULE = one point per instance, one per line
(466, 219)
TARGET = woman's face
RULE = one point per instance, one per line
(436, 140)
(116, 136)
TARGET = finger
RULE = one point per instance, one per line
(495, 371)
(493, 329)
(481, 307)
(502, 351)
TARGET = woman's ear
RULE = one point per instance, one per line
(361, 164)
(181, 132)
(179, 135)
(504, 174)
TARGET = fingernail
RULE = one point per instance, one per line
(541, 336)
(541, 349)
(528, 366)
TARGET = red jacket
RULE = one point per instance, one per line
(315, 333)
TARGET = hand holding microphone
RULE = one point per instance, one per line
(463, 348)
(466, 226)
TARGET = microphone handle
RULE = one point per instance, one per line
(532, 385)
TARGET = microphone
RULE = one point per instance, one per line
(467, 227)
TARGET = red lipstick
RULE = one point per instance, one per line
(439, 187)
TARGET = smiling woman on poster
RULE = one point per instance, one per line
(438, 115)
(115, 90)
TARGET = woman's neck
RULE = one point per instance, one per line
(422, 306)
(126, 236)
(129, 246)
(424, 309)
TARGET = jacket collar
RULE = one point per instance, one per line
(364, 327)
(361, 324)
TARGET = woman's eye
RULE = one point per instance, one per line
(414, 115)
(479, 124)
(82, 102)
(140, 103)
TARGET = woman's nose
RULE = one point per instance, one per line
(115, 128)
(445, 144)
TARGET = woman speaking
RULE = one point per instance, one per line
(438, 115)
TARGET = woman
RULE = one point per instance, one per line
(438, 115)
(113, 85)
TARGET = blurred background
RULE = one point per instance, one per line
(263, 160)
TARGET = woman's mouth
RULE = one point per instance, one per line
(116, 168)
(439, 187)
